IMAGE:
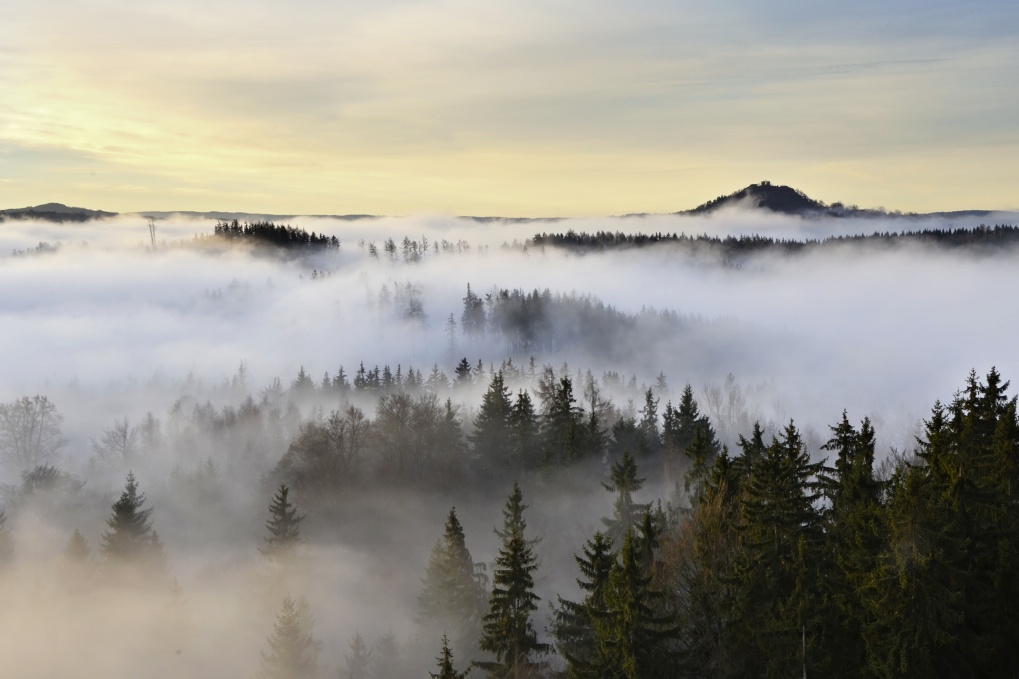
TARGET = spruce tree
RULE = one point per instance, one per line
(525, 446)
(129, 538)
(946, 590)
(283, 526)
(445, 663)
(776, 588)
(573, 624)
(680, 428)
(388, 659)
(491, 438)
(698, 573)
(634, 639)
(651, 437)
(472, 320)
(357, 661)
(462, 373)
(293, 651)
(453, 594)
(853, 539)
(624, 483)
(507, 632)
(77, 550)
(564, 433)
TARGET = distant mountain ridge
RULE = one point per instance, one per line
(765, 197)
(55, 212)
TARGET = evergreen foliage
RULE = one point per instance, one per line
(129, 538)
(77, 550)
(358, 660)
(293, 651)
(278, 235)
(565, 439)
(573, 624)
(525, 444)
(453, 595)
(491, 438)
(734, 250)
(472, 320)
(283, 526)
(507, 632)
(626, 512)
(633, 638)
(445, 663)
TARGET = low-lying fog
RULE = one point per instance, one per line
(868, 331)
(110, 329)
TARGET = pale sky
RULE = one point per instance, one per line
(522, 108)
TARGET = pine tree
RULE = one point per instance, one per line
(781, 535)
(472, 320)
(701, 455)
(449, 463)
(697, 571)
(453, 594)
(651, 437)
(462, 373)
(130, 538)
(624, 483)
(525, 447)
(947, 587)
(77, 550)
(573, 624)
(76, 570)
(633, 639)
(563, 431)
(853, 538)
(293, 651)
(445, 662)
(507, 632)
(283, 526)
(680, 428)
(357, 662)
(491, 436)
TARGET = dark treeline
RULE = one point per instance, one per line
(977, 238)
(279, 235)
(542, 322)
(764, 561)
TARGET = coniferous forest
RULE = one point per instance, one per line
(407, 448)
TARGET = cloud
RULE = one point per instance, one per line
(520, 108)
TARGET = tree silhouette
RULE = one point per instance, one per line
(283, 525)
(293, 651)
(129, 538)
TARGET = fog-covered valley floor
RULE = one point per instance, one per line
(200, 366)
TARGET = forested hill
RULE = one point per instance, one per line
(782, 199)
(55, 212)
(978, 239)
(767, 196)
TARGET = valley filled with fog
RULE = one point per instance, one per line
(206, 367)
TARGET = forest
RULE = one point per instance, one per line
(470, 451)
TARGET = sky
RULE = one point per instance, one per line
(522, 108)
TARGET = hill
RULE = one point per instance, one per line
(781, 199)
(55, 212)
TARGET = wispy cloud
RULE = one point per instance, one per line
(523, 108)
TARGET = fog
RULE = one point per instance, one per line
(110, 329)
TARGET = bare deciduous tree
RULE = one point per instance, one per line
(118, 444)
(29, 432)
